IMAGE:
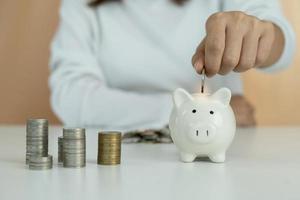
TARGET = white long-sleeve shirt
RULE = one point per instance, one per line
(115, 66)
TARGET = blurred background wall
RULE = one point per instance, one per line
(26, 28)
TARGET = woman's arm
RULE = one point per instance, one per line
(79, 93)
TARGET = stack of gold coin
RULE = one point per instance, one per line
(109, 148)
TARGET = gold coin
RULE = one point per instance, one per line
(109, 155)
(109, 140)
(109, 147)
(109, 160)
(108, 163)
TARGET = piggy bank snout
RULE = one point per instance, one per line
(202, 133)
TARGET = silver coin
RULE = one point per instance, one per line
(37, 143)
(81, 165)
(74, 141)
(165, 132)
(37, 121)
(40, 164)
(74, 164)
(31, 144)
(36, 147)
(73, 133)
(130, 134)
(36, 152)
(74, 145)
(37, 137)
(74, 152)
(37, 159)
(74, 161)
(74, 156)
(78, 153)
(150, 137)
(165, 140)
(46, 167)
(33, 131)
(73, 149)
(37, 127)
(44, 152)
(43, 128)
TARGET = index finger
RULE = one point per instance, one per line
(214, 45)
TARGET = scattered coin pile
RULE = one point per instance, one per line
(73, 147)
(109, 148)
(148, 136)
(37, 144)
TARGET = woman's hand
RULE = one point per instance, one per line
(237, 42)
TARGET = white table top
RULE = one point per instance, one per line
(262, 163)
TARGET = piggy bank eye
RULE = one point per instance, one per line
(211, 112)
(194, 111)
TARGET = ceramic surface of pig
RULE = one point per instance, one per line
(202, 124)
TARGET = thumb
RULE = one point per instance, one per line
(198, 59)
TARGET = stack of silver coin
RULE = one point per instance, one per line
(74, 147)
(60, 149)
(36, 138)
(40, 163)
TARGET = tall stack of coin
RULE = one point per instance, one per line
(36, 138)
(74, 147)
(60, 149)
(109, 148)
(40, 163)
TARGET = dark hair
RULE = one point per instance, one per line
(99, 2)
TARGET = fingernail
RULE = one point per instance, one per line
(197, 66)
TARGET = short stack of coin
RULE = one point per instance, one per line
(74, 147)
(109, 148)
(36, 138)
(40, 163)
(60, 149)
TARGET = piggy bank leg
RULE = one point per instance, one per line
(187, 157)
(217, 158)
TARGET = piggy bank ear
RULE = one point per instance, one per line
(180, 96)
(223, 95)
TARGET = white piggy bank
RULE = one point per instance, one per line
(202, 124)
